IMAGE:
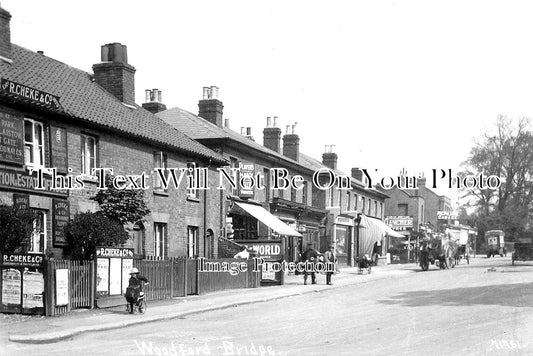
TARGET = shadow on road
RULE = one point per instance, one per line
(512, 295)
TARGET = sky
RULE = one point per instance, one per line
(392, 84)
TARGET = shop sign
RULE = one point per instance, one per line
(446, 215)
(399, 223)
(11, 138)
(23, 181)
(62, 287)
(341, 220)
(60, 218)
(114, 252)
(246, 182)
(22, 260)
(58, 148)
(267, 250)
(32, 94)
(11, 289)
(113, 265)
(21, 201)
(32, 290)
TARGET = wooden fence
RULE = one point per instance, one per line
(169, 278)
(81, 285)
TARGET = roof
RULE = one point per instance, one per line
(81, 98)
(201, 129)
(316, 165)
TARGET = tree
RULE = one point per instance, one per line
(88, 230)
(508, 154)
(126, 206)
(16, 227)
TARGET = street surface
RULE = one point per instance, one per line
(484, 308)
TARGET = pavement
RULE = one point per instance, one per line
(39, 329)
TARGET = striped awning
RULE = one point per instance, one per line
(268, 219)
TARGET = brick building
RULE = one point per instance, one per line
(296, 208)
(55, 116)
(421, 205)
(354, 213)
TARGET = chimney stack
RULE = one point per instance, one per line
(154, 102)
(291, 143)
(114, 74)
(210, 108)
(272, 135)
(357, 174)
(329, 158)
(5, 36)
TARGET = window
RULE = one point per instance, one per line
(356, 197)
(88, 154)
(192, 241)
(33, 143)
(160, 239)
(304, 193)
(38, 235)
(331, 196)
(348, 197)
(362, 205)
(293, 194)
(376, 209)
(138, 239)
(234, 163)
(381, 210)
(402, 209)
(160, 161)
(266, 173)
(191, 180)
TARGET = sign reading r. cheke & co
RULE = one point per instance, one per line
(32, 94)
(26, 260)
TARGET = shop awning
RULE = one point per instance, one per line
(368, 222)
(268, 219)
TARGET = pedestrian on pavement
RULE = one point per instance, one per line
(330, 259)
(309, 258)
(135, 285)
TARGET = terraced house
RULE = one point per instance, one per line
(258, 214)
(55, 116)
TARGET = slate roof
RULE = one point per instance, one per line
(83, 99)
(316, 165)
(201, 129)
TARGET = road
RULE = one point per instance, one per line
(468, 310)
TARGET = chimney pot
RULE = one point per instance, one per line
(5, 36)
(210, 108)
(275, 124)
(114, 74)
(153, 101)
(147, 95)
(329, 158)
(268, 121)
(226, 123)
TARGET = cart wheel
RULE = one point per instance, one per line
(142, 306)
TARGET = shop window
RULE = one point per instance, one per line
(160, 161)
(160, 239)
(192, 241)
(38, 235)
(88, 154)
(33, 143)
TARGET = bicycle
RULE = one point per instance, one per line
(136, 300)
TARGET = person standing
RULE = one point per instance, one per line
(330, 259)
(309, 258)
